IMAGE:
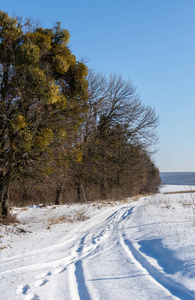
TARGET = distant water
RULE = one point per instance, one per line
(178, 178)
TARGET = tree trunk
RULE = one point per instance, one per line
(102, 190)
(103, 182)
(4, 198)
(81, 195)
(86, 191)
(117, 183)
(78, 192)
(59, 190)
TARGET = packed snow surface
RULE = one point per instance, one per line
(133, 249)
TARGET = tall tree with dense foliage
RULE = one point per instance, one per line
(43, 95)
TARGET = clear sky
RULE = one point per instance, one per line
(150, 42)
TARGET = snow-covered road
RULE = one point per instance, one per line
(126, 251)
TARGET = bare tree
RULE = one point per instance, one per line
(117, 124)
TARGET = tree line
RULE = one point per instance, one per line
(65, 129)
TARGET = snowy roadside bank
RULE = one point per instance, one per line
(177, 188)
(132, 250)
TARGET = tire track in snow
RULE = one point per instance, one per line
(38, 252)
(173, 287)
(78, 289)
(87, 247)
(80, 251)
(82, 289)
(39, 266)
(129, 271)
(169, 284)
(93, 242)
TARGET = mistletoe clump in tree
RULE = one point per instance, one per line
(43, 95)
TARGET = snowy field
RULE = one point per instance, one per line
(127, 250)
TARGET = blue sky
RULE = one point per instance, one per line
(150, 42)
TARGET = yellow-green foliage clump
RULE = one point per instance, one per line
(42, 40)
(19, 122)
(44, 138)
(28, 54)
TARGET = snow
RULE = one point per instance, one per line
(177, 188)
(142, 249)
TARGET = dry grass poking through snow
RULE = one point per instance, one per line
(10, 219)
(76, 216)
